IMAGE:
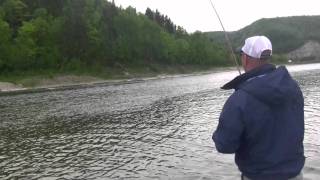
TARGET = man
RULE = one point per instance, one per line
(262, 122)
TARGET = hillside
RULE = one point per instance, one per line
(286, 33)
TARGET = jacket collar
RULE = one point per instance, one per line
(237, 81)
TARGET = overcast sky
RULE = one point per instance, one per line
(235, 14)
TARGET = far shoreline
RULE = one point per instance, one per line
(61, 82)
(72, 81)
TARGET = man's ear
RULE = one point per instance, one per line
(245, 61)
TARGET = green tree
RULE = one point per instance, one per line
(73, 37)
(24, 53)
(150, 14)
(5, 44)
(15, 12)
(181, 53)
(45, 33)
(108, 33)
(127, 26)
(35, 46)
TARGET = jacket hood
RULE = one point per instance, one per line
(268, 84)
(276, 87)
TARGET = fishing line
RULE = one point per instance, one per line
(227, 38)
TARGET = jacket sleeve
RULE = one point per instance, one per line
(227, 136)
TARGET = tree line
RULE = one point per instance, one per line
(66, 35)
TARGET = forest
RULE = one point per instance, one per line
(96, 37)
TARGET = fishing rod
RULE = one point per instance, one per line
(227, 38)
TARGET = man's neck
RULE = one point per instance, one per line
(254, 65)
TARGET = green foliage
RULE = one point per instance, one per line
(25, 47)
(95, 35)
(203, 51)
(165, 22)
(5, 44)
(14, 13)
(74, 39)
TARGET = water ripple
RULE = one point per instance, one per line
(157, 129)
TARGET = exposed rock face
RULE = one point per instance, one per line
(310, 51)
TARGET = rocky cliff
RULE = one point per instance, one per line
(310, 51)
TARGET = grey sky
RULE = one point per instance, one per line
(235, 14)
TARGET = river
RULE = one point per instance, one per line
(154, 129)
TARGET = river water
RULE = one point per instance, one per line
(156, 129)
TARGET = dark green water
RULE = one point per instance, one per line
(157, 129)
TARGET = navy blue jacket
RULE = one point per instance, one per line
(262, 122)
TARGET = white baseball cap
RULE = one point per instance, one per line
(258, 47)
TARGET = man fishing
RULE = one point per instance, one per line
(262, 122)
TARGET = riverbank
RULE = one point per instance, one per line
(38, 82)
(54, 82)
